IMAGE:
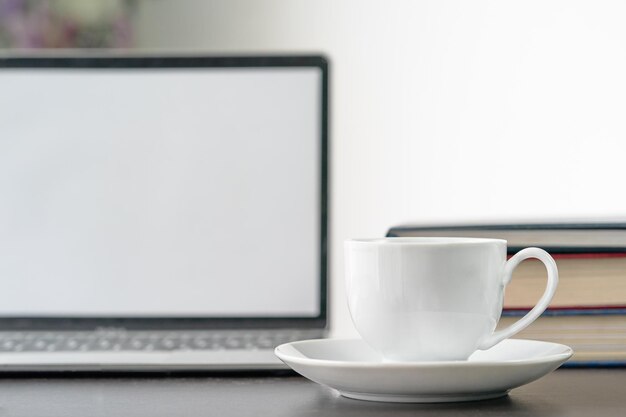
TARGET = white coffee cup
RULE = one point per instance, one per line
(434, 299)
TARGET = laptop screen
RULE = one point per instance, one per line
(149, 190)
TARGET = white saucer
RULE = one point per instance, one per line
(357, 371)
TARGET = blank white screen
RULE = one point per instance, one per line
(159, 192)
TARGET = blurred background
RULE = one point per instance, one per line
(441, 111)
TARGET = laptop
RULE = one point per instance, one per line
(161, 213)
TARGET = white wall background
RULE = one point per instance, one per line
(443, 110)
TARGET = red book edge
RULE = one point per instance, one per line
(565, 308)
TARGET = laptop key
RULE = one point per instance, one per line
(166, 344)
(200, 343)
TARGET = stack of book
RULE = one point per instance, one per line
(588, 311)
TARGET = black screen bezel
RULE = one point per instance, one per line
(197, 323)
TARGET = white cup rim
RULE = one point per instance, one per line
(425, 241)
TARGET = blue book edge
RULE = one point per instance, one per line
(594, 364)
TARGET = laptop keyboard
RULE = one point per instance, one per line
(38, 341)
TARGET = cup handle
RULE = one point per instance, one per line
(544, 301)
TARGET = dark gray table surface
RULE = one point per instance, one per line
(566, 392)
